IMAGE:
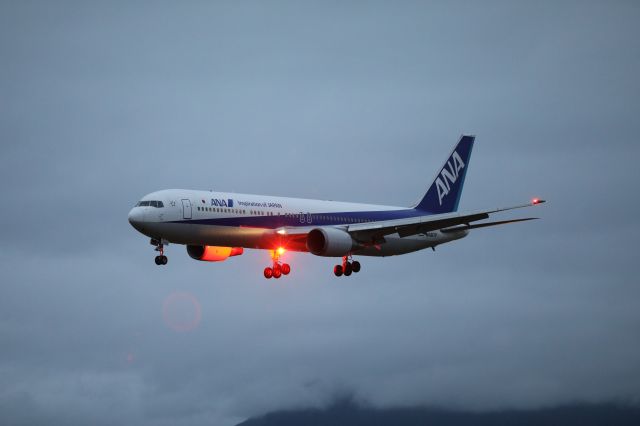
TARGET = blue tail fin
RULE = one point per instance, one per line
(444, 193)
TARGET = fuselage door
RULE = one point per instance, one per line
(186, 209)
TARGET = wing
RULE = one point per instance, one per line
(374, 232)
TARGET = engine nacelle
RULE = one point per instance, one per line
(329, 242)
(213, 253)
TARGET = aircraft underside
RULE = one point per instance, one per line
(219, 243)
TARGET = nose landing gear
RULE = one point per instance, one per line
(161, 259)
(347, 267)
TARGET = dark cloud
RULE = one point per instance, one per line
(101, 104)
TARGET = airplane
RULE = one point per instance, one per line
(215, 226)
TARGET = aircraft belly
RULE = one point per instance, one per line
(260, 238)
(211, 235)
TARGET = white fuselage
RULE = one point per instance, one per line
(210, 218)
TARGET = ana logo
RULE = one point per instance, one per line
(449, 175)
(219, 202)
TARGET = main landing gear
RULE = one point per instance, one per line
(160, 259)
(279, 269)
(347, 267)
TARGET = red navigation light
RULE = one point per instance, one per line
(537, 201)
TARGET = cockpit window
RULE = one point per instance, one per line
(150, 204)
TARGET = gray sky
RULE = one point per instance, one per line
(101, 103)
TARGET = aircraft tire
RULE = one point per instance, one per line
(286, 268)
(347, 269)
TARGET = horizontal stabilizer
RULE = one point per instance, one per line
(484, 225)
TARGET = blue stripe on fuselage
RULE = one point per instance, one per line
(317, 219)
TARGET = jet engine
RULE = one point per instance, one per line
(330, 242)
(213, 253)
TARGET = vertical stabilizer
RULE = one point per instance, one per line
(444, 193)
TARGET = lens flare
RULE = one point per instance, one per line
(181, 312)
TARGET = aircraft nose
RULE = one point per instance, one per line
(136, 217)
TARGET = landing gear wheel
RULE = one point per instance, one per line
(277, 268)
(161, 259)
(355, 266)
(337, 270)
(285, 269)
(268, 272)
(347, 269)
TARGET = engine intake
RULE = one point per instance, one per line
(213, 253)
(330, 242)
